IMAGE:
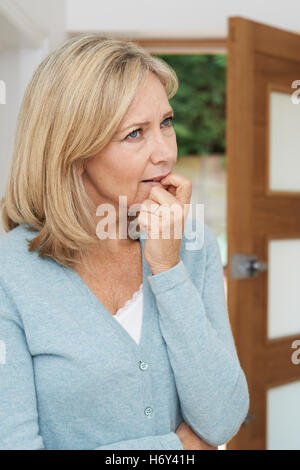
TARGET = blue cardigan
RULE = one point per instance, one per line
(73, 378)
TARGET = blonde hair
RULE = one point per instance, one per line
(71, 109)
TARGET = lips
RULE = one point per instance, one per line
(149, 181)
(153, 183)
(155, 178)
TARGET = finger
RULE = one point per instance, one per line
(149, 206)
(161, 196)
(169, 207)
(145, 218)
(153, 207)
(143, 221)
(183, 186)
(168, 204)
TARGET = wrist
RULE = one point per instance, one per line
(161, 268)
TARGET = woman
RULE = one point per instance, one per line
(119, 342)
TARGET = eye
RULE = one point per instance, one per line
(133, 132)
(170, 119)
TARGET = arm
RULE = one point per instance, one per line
(19, 428)
(168, 441)
(18, 410)
(212, 387)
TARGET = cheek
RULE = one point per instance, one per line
(175, 147)
(100, 170)
(118, 169)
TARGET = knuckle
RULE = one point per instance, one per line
(145, 204)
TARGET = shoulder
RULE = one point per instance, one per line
(19, 267)
(13, 244)
(14, 247)
(16, 234)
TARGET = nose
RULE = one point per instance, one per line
(163, 148)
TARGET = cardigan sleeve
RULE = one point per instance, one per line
(19, 429)
(18, 411)
(211, 384)
(168, 441)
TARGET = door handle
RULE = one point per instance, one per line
(246, 266)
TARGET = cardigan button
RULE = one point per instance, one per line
(143, 365)
(148, 411)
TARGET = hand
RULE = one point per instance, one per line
(190, 440)
(163, 216)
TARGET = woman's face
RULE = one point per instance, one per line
(135, 155)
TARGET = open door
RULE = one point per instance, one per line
(263, 219)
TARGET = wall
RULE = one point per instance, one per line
(29, 30)
(187, 17)
(49, 15)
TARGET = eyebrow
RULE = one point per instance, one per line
(145, 123)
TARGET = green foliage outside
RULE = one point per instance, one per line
(199, 103)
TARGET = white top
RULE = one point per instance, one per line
(130, 316)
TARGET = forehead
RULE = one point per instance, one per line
(150, 98)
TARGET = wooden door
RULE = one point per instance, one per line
(263, 214)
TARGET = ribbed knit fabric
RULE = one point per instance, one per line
(71, 377)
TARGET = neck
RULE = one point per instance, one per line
(112, 249)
